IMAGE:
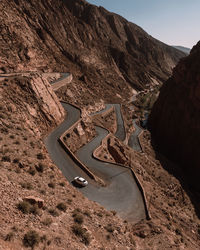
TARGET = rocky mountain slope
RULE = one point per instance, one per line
(101, 48)
(175, 120)
(68, 220)
(106, 54)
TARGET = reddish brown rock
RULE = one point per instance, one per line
(34, 201)
(104, 50)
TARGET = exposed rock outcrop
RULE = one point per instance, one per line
(103, 49)
(34, 98)
(175, 118)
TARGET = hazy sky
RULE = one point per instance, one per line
(175, 22)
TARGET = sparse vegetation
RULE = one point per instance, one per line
(87, 213)
(79, 231)
(109, 228)
(99, 214)
(53, 212)
(9, 236)
(16, 160)
(61, 206)
(26, 185)
(62, 184)
(47, 221)
(26, 208)
(51, 185)
(31, 171)
(40, 156)
(34, 210)
(78, 217)
(40, 167)
(6, 158)
(113, 212)
(69, 201)
(31, 239)
(42, 191)
(108, 237)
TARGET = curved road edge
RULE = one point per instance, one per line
(148, 215)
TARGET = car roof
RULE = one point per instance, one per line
(81, 179)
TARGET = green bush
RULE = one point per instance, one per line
(31, 239)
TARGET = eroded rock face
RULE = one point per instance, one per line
(78, 37)
(34, 98)
(175, 118)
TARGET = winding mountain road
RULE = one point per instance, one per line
(121, 194)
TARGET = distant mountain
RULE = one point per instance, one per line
(75, 36)
(183, 49)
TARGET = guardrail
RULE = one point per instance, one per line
(58, 84)
(76, 160)
(140, 186)
(92, 176)
(73, 156)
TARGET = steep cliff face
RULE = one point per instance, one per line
(33, 99)
(175, 119)
(84, 39)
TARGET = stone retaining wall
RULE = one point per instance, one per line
(62, 83)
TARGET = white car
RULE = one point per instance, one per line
(80, 181)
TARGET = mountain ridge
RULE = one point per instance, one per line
(79, 37)
(182, 48)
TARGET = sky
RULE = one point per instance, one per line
(175, 22)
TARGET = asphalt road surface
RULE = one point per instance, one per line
(121, 194)
(133, 140)
(64, 75)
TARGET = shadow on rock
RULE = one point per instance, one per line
(183, 177)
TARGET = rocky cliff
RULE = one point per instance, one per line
(32, 98)
(84, 39)
(175, 119)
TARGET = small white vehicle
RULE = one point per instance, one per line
(80, 181)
